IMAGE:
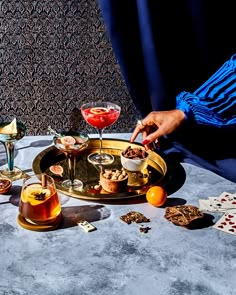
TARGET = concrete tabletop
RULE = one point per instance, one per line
(116, 258)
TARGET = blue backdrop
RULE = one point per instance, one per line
(165, 47)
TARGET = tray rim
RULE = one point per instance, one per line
(93, 144)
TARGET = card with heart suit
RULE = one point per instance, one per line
(216, 204)
(224, 201)
(227, 199)
(227, 223)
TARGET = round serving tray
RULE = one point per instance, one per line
(138, 183)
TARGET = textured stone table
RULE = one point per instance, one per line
(116, 258)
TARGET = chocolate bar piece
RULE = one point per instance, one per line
(182, 215)
(134, 216)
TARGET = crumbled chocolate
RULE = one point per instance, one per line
(144, 230)
(135, 217)
(134, 153)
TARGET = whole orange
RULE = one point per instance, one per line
(156, 196)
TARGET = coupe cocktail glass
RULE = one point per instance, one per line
(100, 115)
(9, 140)
(71, 143)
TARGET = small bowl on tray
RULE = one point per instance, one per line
(134, 159)
(114, 180)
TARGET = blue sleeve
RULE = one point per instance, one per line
(214, 103)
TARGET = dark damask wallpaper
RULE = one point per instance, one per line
(54, 56)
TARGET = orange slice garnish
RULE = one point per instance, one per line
(35, 194)
(68, 140)
(99, 111)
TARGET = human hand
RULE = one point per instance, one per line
(156, 125)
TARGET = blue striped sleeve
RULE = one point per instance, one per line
(214, 103)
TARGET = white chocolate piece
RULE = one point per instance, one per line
(86, 226)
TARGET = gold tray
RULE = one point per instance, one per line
(138, 183)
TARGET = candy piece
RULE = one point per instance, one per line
(86, 226)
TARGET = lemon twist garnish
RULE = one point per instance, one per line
(99, 111)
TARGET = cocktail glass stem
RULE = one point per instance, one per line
(100, 131)
(12, 171)
(99, 158)
(72, 183)
(71, 168)
(10, 148)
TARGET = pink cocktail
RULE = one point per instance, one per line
(100, 115)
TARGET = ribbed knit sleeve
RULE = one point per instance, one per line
(214, 103)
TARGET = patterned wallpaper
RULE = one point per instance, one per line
(54, 56)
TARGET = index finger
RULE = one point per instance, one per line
(135, 133)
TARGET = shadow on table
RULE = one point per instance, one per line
(175, 176)
(3, 155)
(38, 143)
(15, 195)
(72, 215)
(200, 223)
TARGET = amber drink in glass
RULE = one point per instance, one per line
(39, 202)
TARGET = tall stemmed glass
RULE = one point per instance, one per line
(100, 115)
(8, 138)
(71, 143)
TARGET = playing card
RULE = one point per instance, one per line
(206, 206)
(223, 201)
(227, 223)
(216, 205)
(227, 199)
